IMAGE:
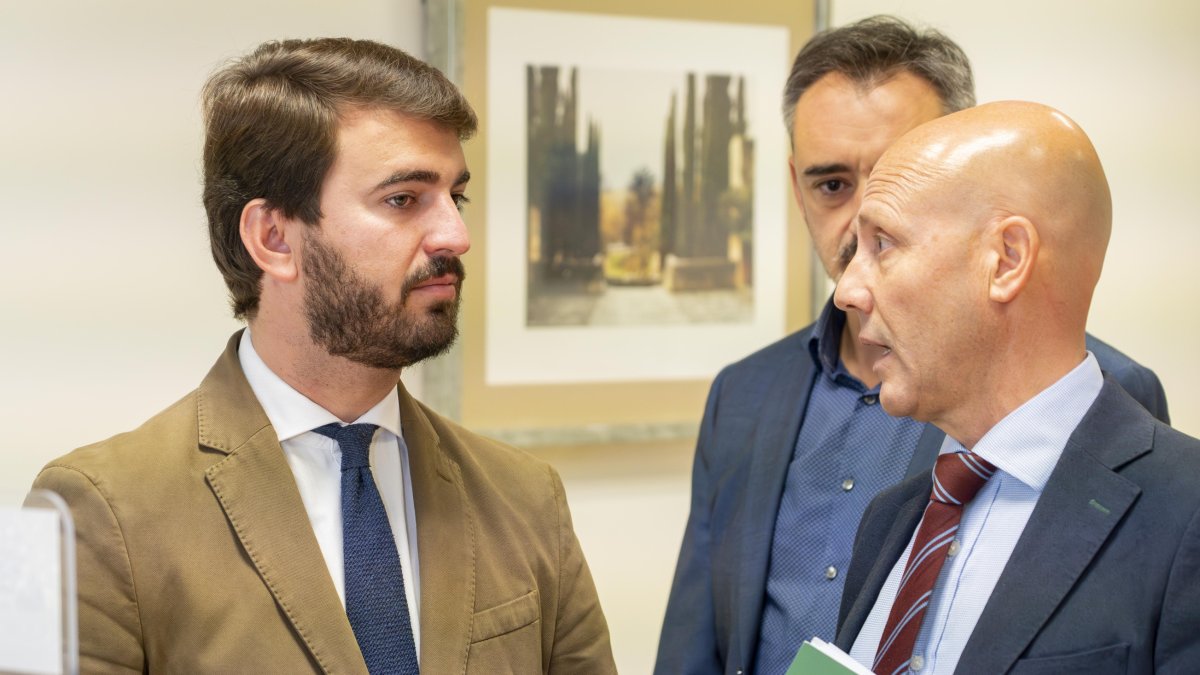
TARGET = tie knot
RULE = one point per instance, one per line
(958, 476)
(354, 441)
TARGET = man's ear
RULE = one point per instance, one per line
(269, 237)
(1016, 245)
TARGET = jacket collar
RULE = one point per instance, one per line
(256, 489)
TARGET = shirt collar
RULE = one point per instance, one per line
(825, 343)
(1028, 442)
(292, 413)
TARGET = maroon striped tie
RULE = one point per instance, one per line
(957, 477)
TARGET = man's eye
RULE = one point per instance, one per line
(401, 201)
(833, 186)
(882, 243)
(460, 201)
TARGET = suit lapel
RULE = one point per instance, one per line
(891, 519)
(786, 401)
(257, 491)
(445, 544)
(926, 452)
(1082, 504)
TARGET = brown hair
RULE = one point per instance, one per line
(271, 122)
(870, 51)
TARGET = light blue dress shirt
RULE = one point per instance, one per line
(1025, 446)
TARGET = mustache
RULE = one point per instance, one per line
(436, 267)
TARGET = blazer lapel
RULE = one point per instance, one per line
(926, 452)
(445, 544)
(871, 564)
(257, 491)
(1083, 502)
(787, 399)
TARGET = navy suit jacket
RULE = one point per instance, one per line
(1106, 575)
(747, 437)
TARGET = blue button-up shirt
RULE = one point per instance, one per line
(847, 451)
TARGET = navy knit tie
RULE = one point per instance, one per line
(375, 600)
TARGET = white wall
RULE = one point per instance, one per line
(112, 308)
(1129, 74)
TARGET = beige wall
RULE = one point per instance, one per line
(112, 308)
(1129, 73)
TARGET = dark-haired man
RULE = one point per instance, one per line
(299, 511)
(794, 444)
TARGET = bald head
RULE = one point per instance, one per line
(1014, 158)
(981, 237)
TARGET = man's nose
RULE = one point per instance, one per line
(448, 235)
(851, 292)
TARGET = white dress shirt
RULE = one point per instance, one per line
(316, 462)
(1025, 446)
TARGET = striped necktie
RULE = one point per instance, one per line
(957, 477)
(375, 599)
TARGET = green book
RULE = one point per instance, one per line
(818, 657)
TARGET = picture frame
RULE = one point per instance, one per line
(612, 326)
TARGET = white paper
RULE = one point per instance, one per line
(31, 624)
(843, 659)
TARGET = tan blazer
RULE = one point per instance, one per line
(196, 555)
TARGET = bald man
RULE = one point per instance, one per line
(981, 237)
(793, 444)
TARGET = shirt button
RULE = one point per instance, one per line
(870, 399)
(955, 547)
(848, 485)
(831, 572)
(916, 663)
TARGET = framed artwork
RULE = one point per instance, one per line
(632, 223)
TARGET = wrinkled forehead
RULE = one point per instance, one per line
(921, 199)
(897, 184)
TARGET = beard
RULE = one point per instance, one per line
(349, 317)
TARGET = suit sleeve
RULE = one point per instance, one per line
(688, 643)
(581, 640)
(109, 624)
(1178, 645)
